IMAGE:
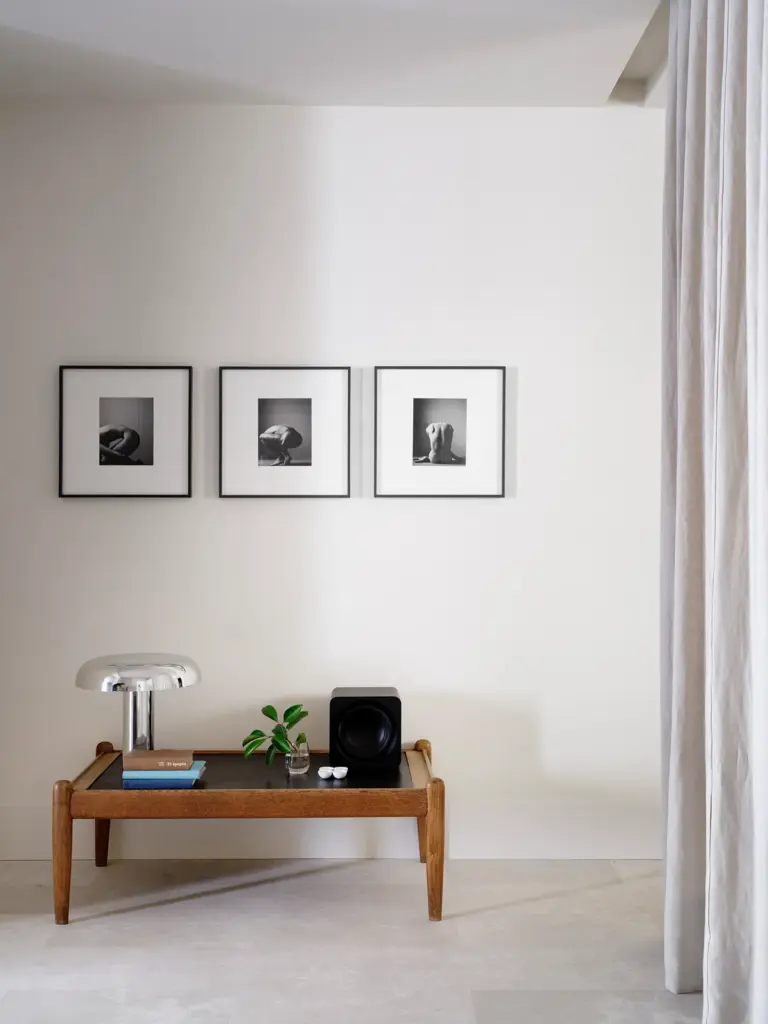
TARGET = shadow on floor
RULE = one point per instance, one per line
(144, 882)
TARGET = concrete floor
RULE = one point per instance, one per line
(347, 942)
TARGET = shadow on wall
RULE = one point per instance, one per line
(511, 788)
(231, 261)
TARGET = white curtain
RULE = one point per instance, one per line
(715, 509)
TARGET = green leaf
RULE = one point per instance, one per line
(291, 711)
(282, 744)
(297, 717)
(270, 757)
(280, 730)
(254, 745)
(301, 738)
(270, 712)
(256, 734)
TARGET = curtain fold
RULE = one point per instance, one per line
(715, 510)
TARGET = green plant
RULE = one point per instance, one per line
(278, 736)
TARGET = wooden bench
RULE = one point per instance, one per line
(233, 787)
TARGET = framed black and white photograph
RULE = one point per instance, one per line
(439, 431)
(125, 431)
(284, 431)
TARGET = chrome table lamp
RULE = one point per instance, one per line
(137, 677)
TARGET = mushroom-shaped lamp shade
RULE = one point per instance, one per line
(137, 676)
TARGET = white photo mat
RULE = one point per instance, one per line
(81, 389)
(481, 474)
(242, 473)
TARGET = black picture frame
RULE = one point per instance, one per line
(74, 367)
(337, 369)
(501, 369)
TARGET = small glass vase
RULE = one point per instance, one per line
(297, 762)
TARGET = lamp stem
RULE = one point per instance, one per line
(138, 721)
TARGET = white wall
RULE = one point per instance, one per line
(213, 235)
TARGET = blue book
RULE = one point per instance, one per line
(182, 775)
(158, 783)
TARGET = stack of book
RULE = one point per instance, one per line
(161, 769)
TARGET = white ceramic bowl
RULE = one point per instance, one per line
(325, 772)
(340, 773)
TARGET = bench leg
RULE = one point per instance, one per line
(62, 850)
(101, 835)
(435, 843)
(421, 824)
(101, 825)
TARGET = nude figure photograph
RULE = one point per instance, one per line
(439, 431)
(285, 432)
(126, 432)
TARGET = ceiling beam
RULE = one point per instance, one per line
(642, 82)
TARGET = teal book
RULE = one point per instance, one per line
(189, 775)
(158, 783)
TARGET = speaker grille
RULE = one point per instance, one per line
(365, 732)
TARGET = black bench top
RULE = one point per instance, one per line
(233, 771)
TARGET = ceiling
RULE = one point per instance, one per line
(334, 52)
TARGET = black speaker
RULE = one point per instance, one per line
(366, 729)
